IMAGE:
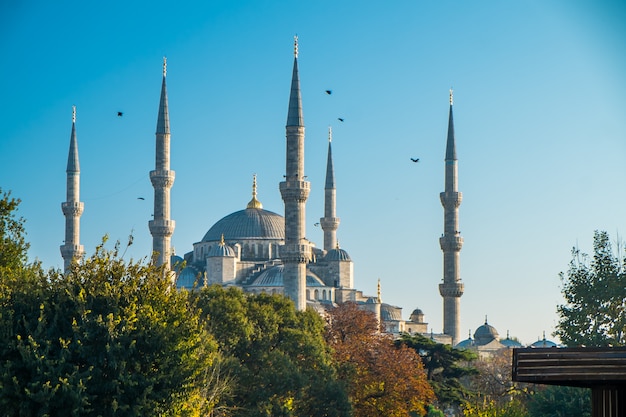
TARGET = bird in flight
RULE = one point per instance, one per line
(415, 159)
(340, 119)
(140, 198)
(120, 114)
(329, 92)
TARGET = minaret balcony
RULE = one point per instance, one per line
(295, 190)
(295, 253)
(69, 250)
(73, 208)
(451, 200)
(329, 223)
(162, 178)
(450, 243)
(161, 227)
(454, 289)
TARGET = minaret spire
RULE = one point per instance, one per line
(72, 207)
(330, 221)
(162, 178)
(451, 289)
(296, 252)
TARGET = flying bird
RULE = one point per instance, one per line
(316, 224)
(140, 198)
(340, 119)
(415, 159)
(120, 114)
(329, 92)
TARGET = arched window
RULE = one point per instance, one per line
(324, 294)
(317, 295)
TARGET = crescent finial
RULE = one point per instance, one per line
(295, 46)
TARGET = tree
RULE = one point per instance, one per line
(494, 381)
(109, 338)
(490, 408)
(382, 379)
(13, 245)
(559, 401)
(594, 313)
(281, 365)
(445, 367)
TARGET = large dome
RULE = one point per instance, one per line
(251, 223)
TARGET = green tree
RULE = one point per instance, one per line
(280, 362)
(445, 367)
(13, 245)
(559, 401)
(594, 313)
(109, 338)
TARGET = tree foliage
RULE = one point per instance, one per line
(280, 364)
(106, 339)
(13, 245)
(594, 313)
(382, 379)
(445, 367)
(559, 401)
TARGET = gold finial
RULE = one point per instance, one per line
(330, 133)
(380, 300)
(254, 203)
(451, 96)
(295, 46)
(222, 243)
(337, 245)
(164, 66)
(73, 114)
(205, 281)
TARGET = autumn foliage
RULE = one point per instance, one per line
(382, 379)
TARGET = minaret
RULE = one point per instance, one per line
(162, 178)
(295, 190)
(330, 221)
(451, 242)
(72, 207)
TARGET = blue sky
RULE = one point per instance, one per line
(540, 121)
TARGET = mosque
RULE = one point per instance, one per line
(259, 250)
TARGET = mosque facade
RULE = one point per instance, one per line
(261, 251)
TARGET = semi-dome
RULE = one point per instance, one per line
(485, 334)
(251, 223)
(390, 313)
(273, 277)
(337, 254)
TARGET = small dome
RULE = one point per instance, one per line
(221, 250)
(187, 278)
(273, 277)
(251, 223)
(485, 334)
(543, 343)
(465, 344)
(337, 255)
(417, 311)
(390, 313)
(510, 343)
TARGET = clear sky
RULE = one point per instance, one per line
(539, 112)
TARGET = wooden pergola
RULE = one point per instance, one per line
(601, 369)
